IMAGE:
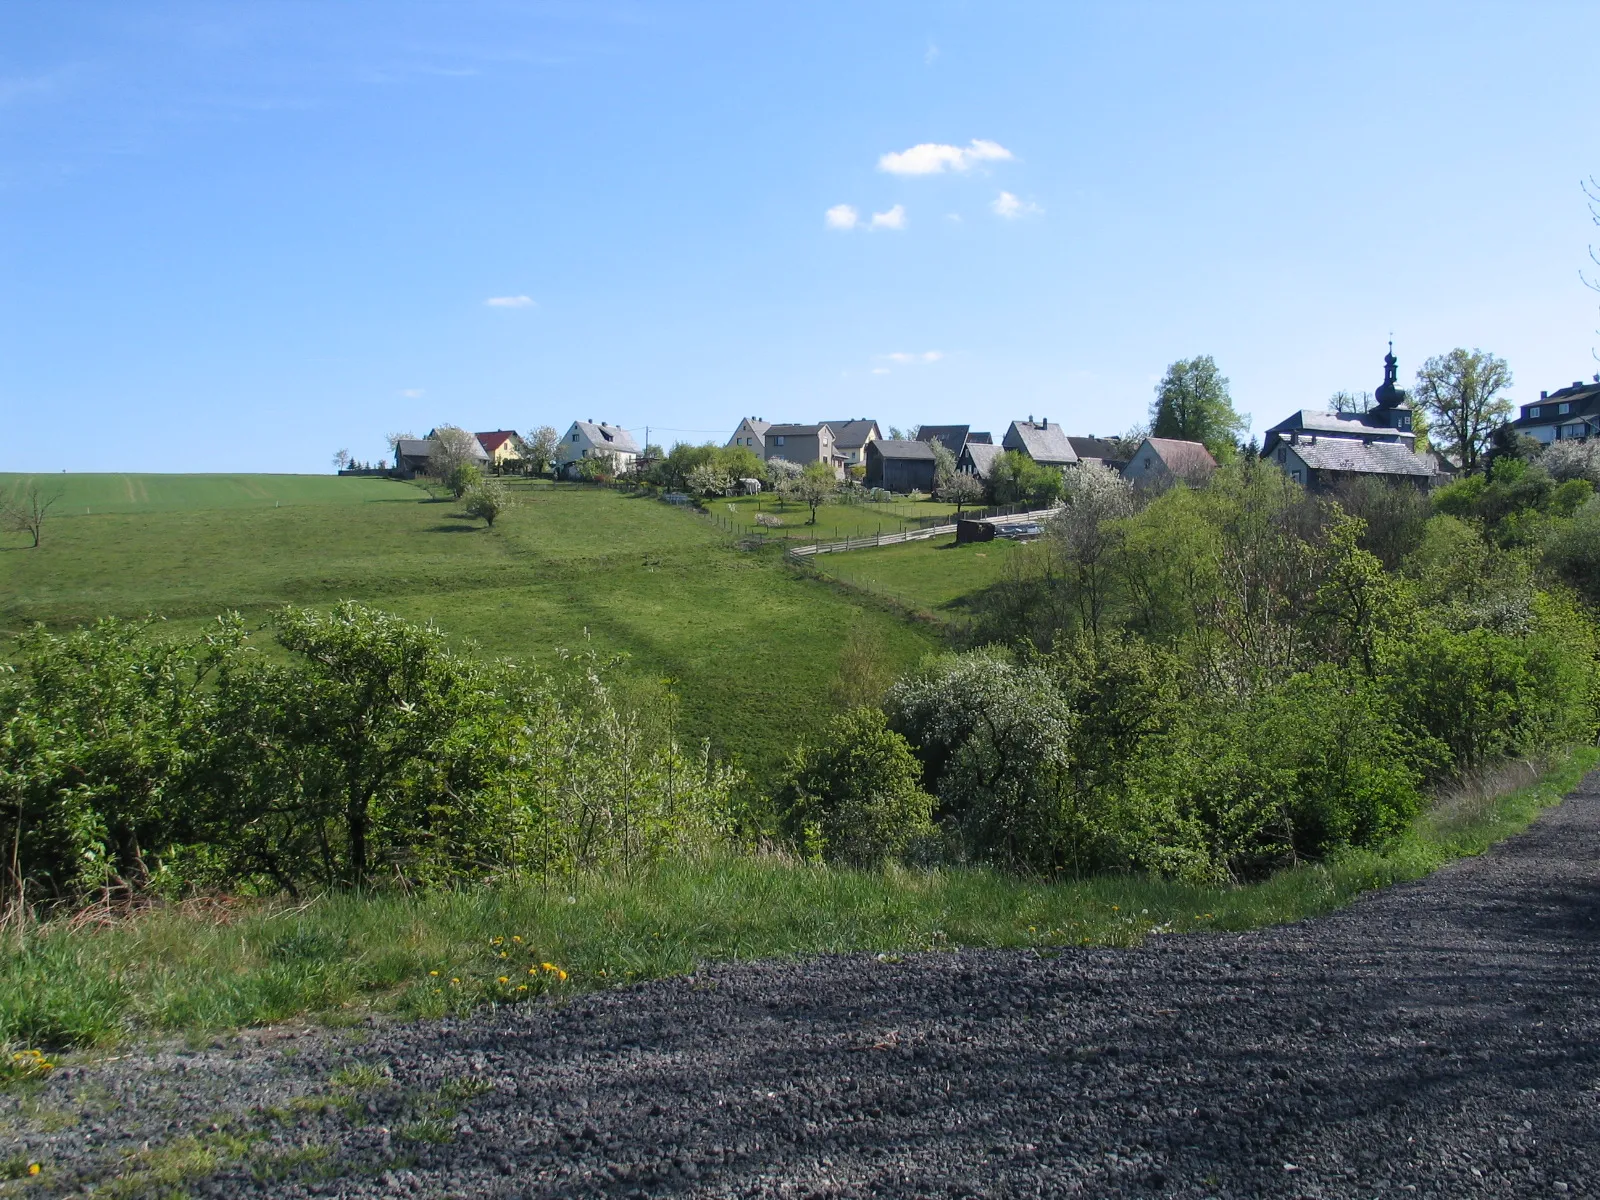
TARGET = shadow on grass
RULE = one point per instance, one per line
(454, 528)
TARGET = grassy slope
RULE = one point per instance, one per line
(181, 970)
(754, 646)
(934, 576)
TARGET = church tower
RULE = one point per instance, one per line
(1393, 408)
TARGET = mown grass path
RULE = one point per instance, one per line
(1441, 1037)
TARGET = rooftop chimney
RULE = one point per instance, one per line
(1577, 383)
(1044, 422)
(1543, 395)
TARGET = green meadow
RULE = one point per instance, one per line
(934, 576)
(752, 645)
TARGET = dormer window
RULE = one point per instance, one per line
(1563, 409)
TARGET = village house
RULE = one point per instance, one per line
(900, 465)
(1043, 442)
(1097, 450)
(1571, 412)
(802, 444)
(503, 446)
(752, 432)
(850, 440)
(590, 439)
(413, 455)
(1160, 461)
(978, 458)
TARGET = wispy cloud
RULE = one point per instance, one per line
(844, 218)
(933, 158)
(895, 218)
(841, 216)
(904, 358)
(931, 55)
(412, 393)
(1008, 206)
(510, 302)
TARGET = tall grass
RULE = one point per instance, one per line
(80, 983)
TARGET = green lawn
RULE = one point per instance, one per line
(753, 644)
(935, 575)
(834, 521)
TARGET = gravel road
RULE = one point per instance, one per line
(1440, 1038)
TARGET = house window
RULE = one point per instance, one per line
(1147, 464)
(1563, 410)
(1295, 475)
(574, 437)
(1534, 412)
(780, 440)
(1283, 454)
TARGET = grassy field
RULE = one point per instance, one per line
(199, 969)
(835, 522)
(753, 645)
(934, 576)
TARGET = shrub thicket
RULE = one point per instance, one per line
(368, 750)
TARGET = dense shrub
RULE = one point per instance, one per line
(366, 750)
(855, 796)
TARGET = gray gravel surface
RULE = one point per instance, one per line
(1435, 1039)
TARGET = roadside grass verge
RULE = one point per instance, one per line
(72, 984)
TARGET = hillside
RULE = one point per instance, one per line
(753, 646)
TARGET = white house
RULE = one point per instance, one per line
(588, 439)
(752, 432)
(1571, 412)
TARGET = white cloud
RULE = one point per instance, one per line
(903, 359)
(932, 55)
(841, 216)
(510, 302)
(895, 218)
(1008, 206)
(932, 158)
(412, 393)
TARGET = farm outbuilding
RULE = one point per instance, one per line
(900, 466)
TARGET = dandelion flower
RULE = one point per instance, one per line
(516, 937)
(33, 1168)
(454, 980)
(548, 966)
(435, 973)
(561, 975)
(505, 979)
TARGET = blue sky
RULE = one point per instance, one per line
(241, 236)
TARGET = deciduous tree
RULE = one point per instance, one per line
(541, 448)
(1192, 404)
(1461, 391)
(813, 487)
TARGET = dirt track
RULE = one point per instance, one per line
(1441, 1038)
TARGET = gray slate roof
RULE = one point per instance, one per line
(1350, 425)
(423, 448)
(611, 437)
(982, 456)
(1042, 443)
(1093, 447)
(794, 430)
(852, 435)
(1181, 456)
(1584, 399)
(951, 437)
(1363, 458)
(890, 448)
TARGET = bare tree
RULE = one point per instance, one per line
(394, 440)
(26, 512)
(1350, 402)
(341, 460)
(1591, 192)
(1461, 390)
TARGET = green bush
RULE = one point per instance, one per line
(462, 478)
(855, 797)
(366, 750)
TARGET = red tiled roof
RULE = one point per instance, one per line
(493, 441)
